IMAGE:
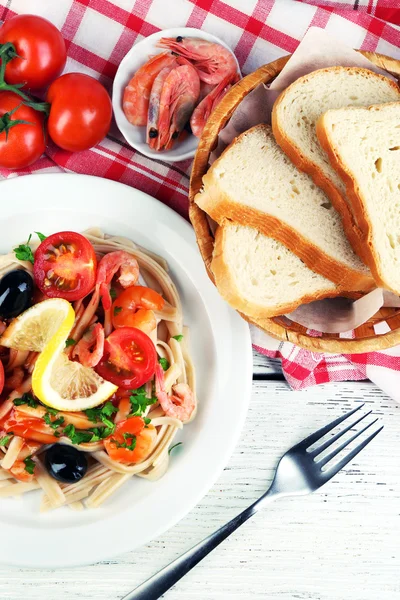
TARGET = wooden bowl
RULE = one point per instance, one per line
(365, 338)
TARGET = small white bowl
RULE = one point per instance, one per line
(136, 57)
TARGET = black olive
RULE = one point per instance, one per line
(65, 463)
(16, 289)
(179, 38)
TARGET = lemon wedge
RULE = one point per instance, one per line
(56, 381)
(35, 327)
(67, 385)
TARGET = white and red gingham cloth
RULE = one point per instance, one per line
(98, 33)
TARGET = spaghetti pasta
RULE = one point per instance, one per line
(105, 474)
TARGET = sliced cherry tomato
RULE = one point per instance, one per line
(129, 358)
(80, 113)
(21, 144)
(134, 308)
(65, 266)
(131, 442)
(41, 49)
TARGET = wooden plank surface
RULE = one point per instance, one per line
(339, 544)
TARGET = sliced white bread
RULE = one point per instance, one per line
(260, 277)
(363, 145)
(254, 183)
(297, 110)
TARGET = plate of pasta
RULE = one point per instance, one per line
(124, 377)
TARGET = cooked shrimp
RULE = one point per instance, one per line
(179, 95)
(135, 102)
(109, 265)
(203, 110)
(154, 104)
(212, 61)
(134, 308)
(180, 404)
(90, 347)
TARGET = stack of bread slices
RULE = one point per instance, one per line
(310, 207)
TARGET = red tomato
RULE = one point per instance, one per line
(41, 48)
(65, 266)
(23, 143)
(131, 434)
(80, 113)
(129, 358)
(1, 376)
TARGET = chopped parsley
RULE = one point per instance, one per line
(178, 338)
(146, 420)
(4, 440)
(26, 399)
(101, 414)
(69, 342)
(78, 437)
(164, 363)
(41, 236)
(24, 251)
(174, 446)
(129, 445)
(140, 402)
(29, 465)
(113, 293)
(53, 424)
(117, 310)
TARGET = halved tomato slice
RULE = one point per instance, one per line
(65, 266)
(129, 358)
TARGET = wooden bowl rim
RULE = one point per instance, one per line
(204, 235)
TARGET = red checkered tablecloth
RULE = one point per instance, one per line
(98, 33)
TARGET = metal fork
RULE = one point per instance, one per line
(299, 472)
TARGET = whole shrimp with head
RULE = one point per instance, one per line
(212, 61)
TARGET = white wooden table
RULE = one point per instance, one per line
(342, 543)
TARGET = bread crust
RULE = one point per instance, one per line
(229, 290)
(351, 227)
(367, 253)
(219, 206)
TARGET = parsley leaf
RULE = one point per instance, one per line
(140, 402)
(113, 293)
(29, 465)
(24, 251)
(69, 342)
(26, 399)
(53, 424)
(129, 445)
(178, 338)
(146, 420)
(78, 437)
(164, 363)
(174, 446)
(99, 414)
(52, 411)
(117, 310)
(100, 433)
(4, 440)
(41, 236)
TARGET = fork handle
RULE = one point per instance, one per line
(162, 581)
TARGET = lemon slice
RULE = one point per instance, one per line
(64, 384)
(35, 327)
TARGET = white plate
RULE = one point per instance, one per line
(220, 343)
(136, 57)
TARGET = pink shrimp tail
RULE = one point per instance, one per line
(203, 110)
(90, 349)
(180, 404)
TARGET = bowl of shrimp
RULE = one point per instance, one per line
(166, 88)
